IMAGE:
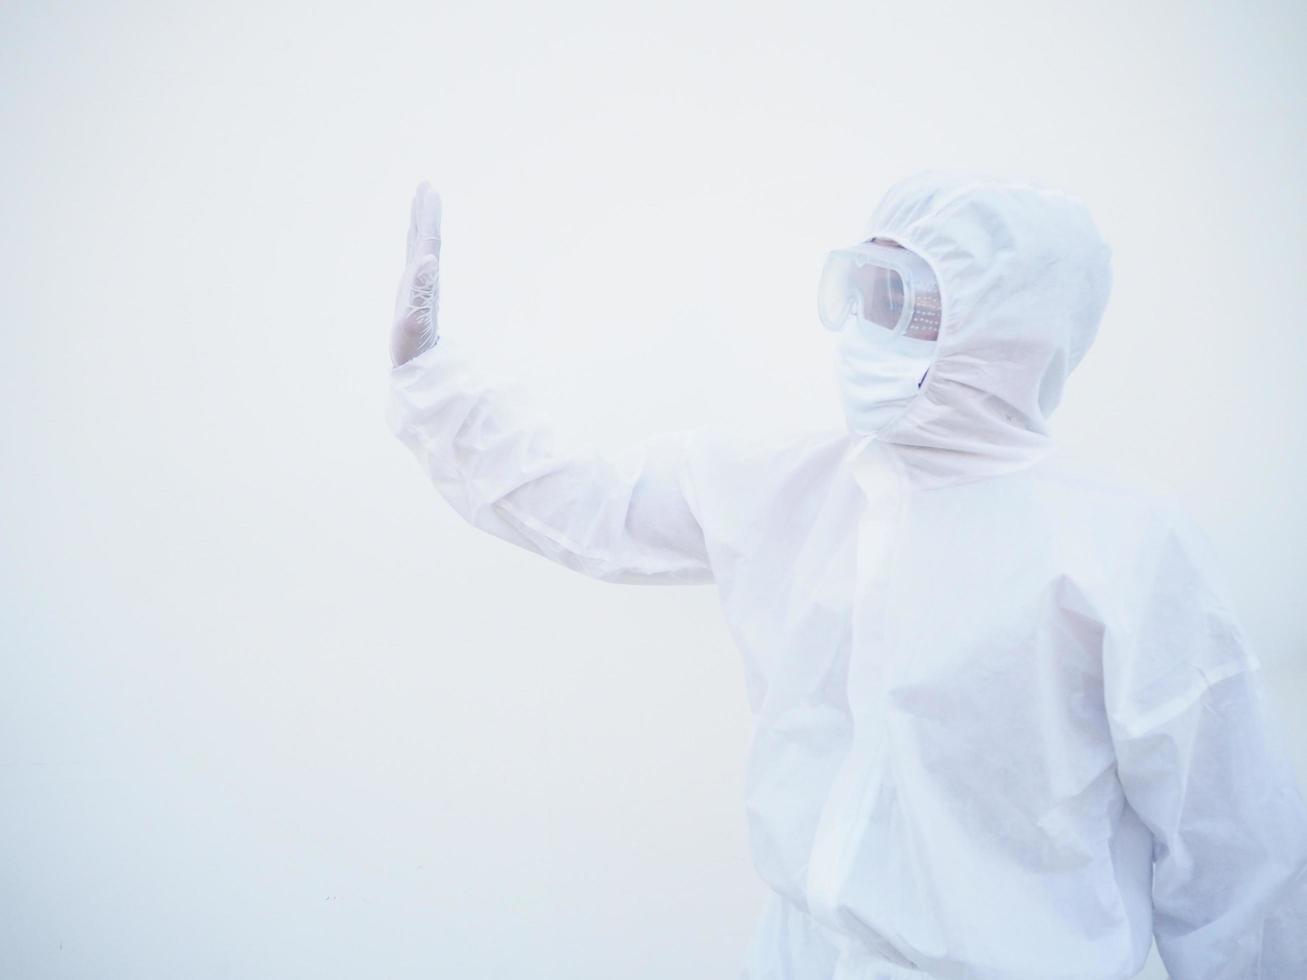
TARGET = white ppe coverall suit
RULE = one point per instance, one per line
(1005, 724)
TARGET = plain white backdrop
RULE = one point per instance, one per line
(267, 708)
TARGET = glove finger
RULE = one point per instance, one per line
(427, 240)
(403, 290)
(422, 295)
(414, 219)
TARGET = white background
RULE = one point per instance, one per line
(267, 708)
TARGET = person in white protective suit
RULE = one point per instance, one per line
(1006, 725)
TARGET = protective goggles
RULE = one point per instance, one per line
(881, 284)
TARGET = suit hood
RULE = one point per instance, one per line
(1024, 278)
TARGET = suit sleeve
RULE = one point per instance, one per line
(1202, 764)
(625, 517)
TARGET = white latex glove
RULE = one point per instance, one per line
(418, 300)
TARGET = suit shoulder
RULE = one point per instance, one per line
(1109, 490)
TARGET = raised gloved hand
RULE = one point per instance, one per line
(418, 300)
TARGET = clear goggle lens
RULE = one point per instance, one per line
(883, 285)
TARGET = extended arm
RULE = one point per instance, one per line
(627, 518)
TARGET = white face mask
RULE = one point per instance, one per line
(878, 374)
